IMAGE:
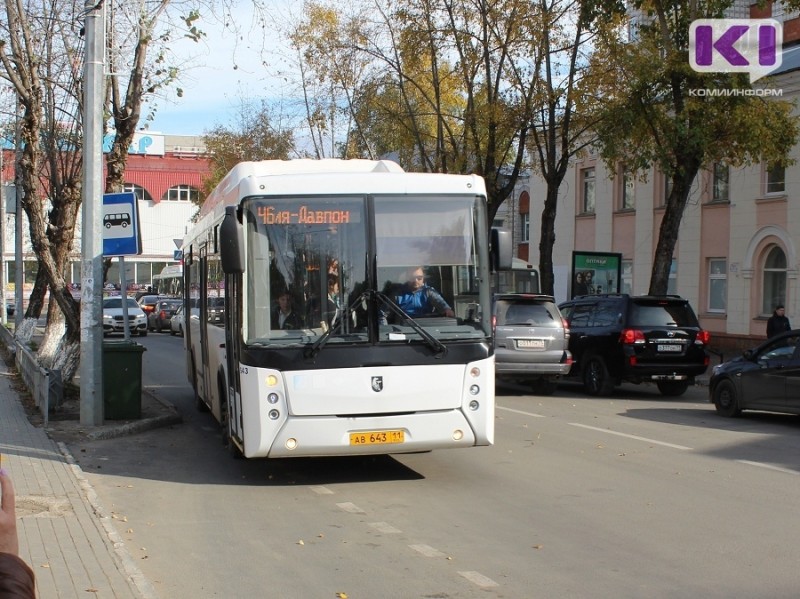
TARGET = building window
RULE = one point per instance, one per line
(182, 193)
(720, 188)
(672, 284)
(627, 190)
(776, 179)
(717, 285)
(587, 186)
(626, 282)
(140, 192)
(666, 191)
(526, 226)
(774, 292)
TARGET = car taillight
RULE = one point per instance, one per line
(703, 337)
(631, 336)
(494, 323)
(565, 325)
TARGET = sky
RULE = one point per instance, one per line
(213, 90)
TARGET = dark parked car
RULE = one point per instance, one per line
(764, 378)
(216, 310)
(619, 337)
(161, 316)
(148, 303)
(530, 340)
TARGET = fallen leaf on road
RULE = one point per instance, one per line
(300, 542)
(341, 595)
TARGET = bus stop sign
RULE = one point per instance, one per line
(121, 234)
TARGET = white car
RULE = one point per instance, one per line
(176, 323)
(113, 318)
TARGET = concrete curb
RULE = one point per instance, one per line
(137, 426)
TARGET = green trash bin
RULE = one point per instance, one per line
(122, 380)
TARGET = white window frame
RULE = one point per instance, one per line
(717, 277)
(627, 190)
(588, 191)
(775, 180)
(721, 185)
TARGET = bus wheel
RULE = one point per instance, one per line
(199, 404)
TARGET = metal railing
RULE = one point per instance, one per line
(44, 384)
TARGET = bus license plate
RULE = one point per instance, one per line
(377, 437)
(669, 348)
(530, 343)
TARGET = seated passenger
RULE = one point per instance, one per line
(283, 315)
(416, 298)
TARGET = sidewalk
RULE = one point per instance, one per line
(66, 537)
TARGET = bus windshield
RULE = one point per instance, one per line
(310, 269)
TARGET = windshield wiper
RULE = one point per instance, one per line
(436, 345)
(315, 348)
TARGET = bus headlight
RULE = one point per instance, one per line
(475, 372)
(474, 390)
(273, 398)
(272, 380)
(458, 435)
(274, 414)
(474, 405)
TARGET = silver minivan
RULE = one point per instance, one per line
(530, 341)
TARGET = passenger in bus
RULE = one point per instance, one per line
(283, 315)
(416, 298)
(334, 302)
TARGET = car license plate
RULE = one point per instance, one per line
(377, 437)
(530, 343)
(670, 348)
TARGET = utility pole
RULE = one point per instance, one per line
(92, 237)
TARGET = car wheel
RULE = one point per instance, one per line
(596, 380)
(143, 333)
(173, 332)
(725, 400)
(544, 386)
(672, 388)
(158, 328)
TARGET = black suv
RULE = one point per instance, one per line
(618, 337)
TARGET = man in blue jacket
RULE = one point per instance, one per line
(417, 299)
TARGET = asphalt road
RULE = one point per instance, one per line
(635, 496)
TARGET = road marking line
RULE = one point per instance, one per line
(768, 466)
(427, 551)
(351, 507)
(532, 414)
(321, 490)
(636, 437)
(385, 527)
(479, 579)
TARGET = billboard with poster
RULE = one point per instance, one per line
(595, 272)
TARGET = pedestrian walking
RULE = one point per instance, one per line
(778, 323)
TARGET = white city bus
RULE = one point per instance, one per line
(169, 281)
(343, 379)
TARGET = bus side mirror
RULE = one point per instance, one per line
(231, 246)
(500, 250)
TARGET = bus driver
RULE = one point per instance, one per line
(417, 299)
